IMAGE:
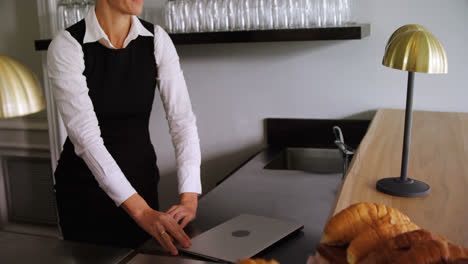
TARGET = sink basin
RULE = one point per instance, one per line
(315, 160)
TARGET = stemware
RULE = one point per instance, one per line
(231, 13)
(267, 14)
(169, 10)
(223, 15)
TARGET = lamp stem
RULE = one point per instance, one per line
(408, 121)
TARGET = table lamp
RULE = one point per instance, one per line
(411, 48)
(20, 92)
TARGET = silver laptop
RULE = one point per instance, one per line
(241, 237)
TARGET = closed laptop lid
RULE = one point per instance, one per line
(241, 237)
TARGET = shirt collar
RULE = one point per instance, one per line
(94, 32)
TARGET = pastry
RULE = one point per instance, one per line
(383, 252)
(367, 240)
(257, 261)
(347, 224)
(430, 251)
(418, 247)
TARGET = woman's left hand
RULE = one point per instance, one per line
(186, 211)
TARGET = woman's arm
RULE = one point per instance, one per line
(65, 65)
(182, 126)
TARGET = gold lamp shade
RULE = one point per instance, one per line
(413, 48)
(20, 92)
(405, 28)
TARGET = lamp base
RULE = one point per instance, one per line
(407, 188)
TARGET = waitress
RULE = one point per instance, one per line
(104, 72)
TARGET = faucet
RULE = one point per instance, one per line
(346, 150)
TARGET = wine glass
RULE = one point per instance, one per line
(209, 15)
(179, 21)
(186, 15)
(240, 15)
(347, 11)
(280, 18)
(194, 15)
(200, 9)
(254, 14)
(220, 16)
(266, 14)
(332, 15)
(169, 9)
(246, 13)
(232, 12)
(291, 14)
(322, 9)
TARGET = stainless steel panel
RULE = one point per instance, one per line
(30, 192)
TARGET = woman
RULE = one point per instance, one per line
(104, 71)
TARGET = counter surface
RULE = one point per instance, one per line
(438, 156)
(306, 198)
(19, 248)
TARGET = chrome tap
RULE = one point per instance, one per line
(346, 150)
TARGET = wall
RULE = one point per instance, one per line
(235, 86)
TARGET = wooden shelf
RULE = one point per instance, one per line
(353, 31)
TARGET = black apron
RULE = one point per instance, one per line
(121, 86)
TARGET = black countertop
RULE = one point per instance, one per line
(304, 197)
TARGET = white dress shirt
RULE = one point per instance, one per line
(65, 64)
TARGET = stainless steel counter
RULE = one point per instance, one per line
(304, 197)
(20, 248)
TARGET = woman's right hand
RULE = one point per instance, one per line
(164, 228)
(160, 225)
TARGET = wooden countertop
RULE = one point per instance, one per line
(438, 156)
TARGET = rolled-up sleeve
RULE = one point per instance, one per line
(179, 114)
(65, 65)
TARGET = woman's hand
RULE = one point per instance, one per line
(161, 226)
(164, 228)
(186, 211)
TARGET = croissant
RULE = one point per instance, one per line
(418, 247)
(460, 261)
(257, 261)
(373, 236)
(383, 252)
(347, 224)
(457, 261)
(431, 251)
